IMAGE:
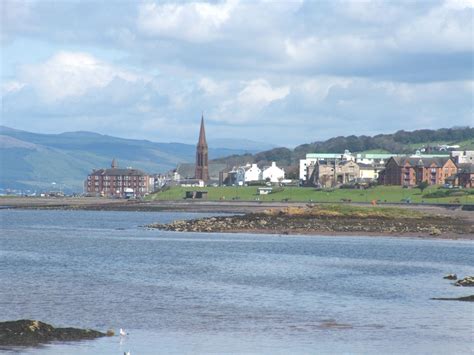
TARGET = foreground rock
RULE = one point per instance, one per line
(465, 299)
(27, 332)
(467, 281)
(328, 220)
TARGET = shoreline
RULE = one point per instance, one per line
(332, 221)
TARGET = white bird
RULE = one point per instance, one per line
(123, 332)
(126, 353)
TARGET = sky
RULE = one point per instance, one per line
(280, 72)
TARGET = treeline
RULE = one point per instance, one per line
(399, 142)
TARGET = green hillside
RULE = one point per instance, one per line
(32, 161)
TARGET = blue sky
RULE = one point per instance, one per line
(286, 72)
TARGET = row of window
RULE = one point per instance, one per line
(126, 177)
(117, 183)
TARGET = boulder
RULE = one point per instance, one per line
(467, 281)
(451, 277)
(26, 332)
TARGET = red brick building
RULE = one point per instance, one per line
(117, 182)
(410, 171)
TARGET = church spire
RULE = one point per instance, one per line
(202, 133)
(202, 168)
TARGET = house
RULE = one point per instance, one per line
(273, 173)
(411, 170)
(313, 158)
(370, 171)
(463, 156)
(244, 174)
(329, 174)
(465, 176)
(118, 182)
(376, 159)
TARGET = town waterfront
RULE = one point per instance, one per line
(229, 293)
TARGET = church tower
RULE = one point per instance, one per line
(202, 168)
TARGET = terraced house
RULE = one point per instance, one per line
(118, 182)
(410, 171)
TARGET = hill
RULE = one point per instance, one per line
(399, 142)
(33, 161)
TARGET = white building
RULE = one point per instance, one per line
(273, 173)
(463, 156)
(252, 173)
(370, 171)
(244, 174)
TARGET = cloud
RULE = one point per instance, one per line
(12, 87)
(447, 28)
(259, 93)
(71, 74)
(301, 70)
(194, 22)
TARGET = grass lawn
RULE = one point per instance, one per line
(382, 194)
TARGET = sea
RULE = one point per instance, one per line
(205, 293)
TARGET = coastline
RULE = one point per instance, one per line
(332, 220)
(434, 222)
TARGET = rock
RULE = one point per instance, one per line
(27, 332)
(110, 333)
(467, 281)
(465, 299)
(451, 277)
(435, 231)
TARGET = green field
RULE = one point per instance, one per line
(382, 194)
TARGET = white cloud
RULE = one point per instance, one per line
(259, 93)
(194, 22)
(318, 88)
(445, 28)
(210, 87)
(344, 50)
(71, 74)
(12, 86)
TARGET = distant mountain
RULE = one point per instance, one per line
(399, 142)
(34, 161)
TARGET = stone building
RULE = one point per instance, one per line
(118, 182)
(463, 156)
(330, 174)
(410, 171)
(202, 151)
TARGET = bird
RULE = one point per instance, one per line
(126, 353)
(123, 332)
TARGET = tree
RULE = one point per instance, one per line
(422, 185)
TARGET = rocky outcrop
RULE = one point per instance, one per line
(451, 277)
(465, 299)
(27, 332)
(310, 224)
(467, 281)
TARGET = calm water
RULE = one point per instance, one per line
(189, 293)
